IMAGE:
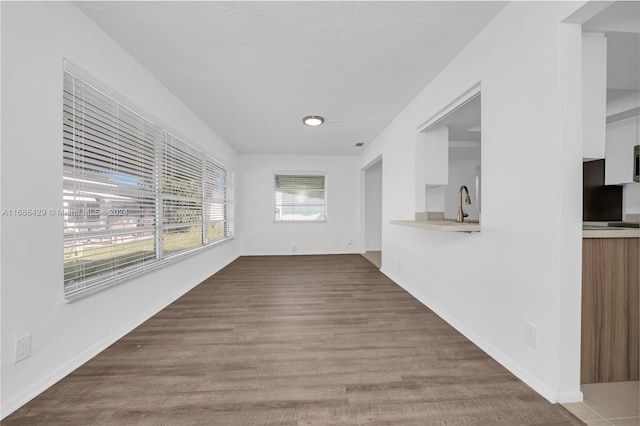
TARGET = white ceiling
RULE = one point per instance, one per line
(252, 70)
(623, 61)
(464, 122)
(620, 22)
(620, 16)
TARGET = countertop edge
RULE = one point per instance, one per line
(611, 233)
(439, 225)
(606, 231)
(448, 226)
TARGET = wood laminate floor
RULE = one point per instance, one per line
(293, 340)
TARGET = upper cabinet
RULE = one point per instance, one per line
(621, 137)
(610, 86)
(594, 94)
(436, 155)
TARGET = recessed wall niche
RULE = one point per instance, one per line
(448, 156)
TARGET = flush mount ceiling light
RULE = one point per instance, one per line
(313, 120)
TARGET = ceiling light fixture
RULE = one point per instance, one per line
(313, 120)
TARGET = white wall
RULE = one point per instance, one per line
(463, 163)
(525, 264)
(261, 236)
(631, 198)
(373, 207)
(35, 38)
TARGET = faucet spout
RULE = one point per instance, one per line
(461, 213)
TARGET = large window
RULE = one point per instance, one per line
(135, 196)
(300, 198)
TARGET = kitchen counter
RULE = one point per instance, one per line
(440, 225)
(610, 315)
(601, 230)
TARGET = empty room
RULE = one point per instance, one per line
(320, 213)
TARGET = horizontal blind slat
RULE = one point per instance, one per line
(78, 111)
(300, 197)
(109, 138)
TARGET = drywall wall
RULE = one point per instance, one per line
(631, 198)
(36, 36)
(373, 207)
(255, 204)
(524, 266)
(464, 166)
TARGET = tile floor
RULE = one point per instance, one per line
(374, 257)
(615, 403)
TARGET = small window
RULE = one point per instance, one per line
(300, 198)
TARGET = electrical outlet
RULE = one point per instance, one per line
(530, 334)
(349, 241)
(22, 348)
(294, 248)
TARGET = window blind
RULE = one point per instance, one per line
(182, 204)
(300, 198)
(217, 200)
(108, 186)
(134, 195)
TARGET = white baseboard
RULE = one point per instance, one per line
(516, 369)
(17, 401)
(301, 253)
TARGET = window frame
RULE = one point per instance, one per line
(210, 167)
(324, 174)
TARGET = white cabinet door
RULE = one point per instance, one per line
(437, 156)
(621, 137)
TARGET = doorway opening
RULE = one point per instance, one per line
(373, 213)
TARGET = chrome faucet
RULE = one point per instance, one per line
(461, 213)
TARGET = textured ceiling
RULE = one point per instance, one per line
(252, 70)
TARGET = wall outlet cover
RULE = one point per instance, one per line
(530, 334)
(22, 348)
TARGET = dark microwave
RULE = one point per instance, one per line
(636, 163)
